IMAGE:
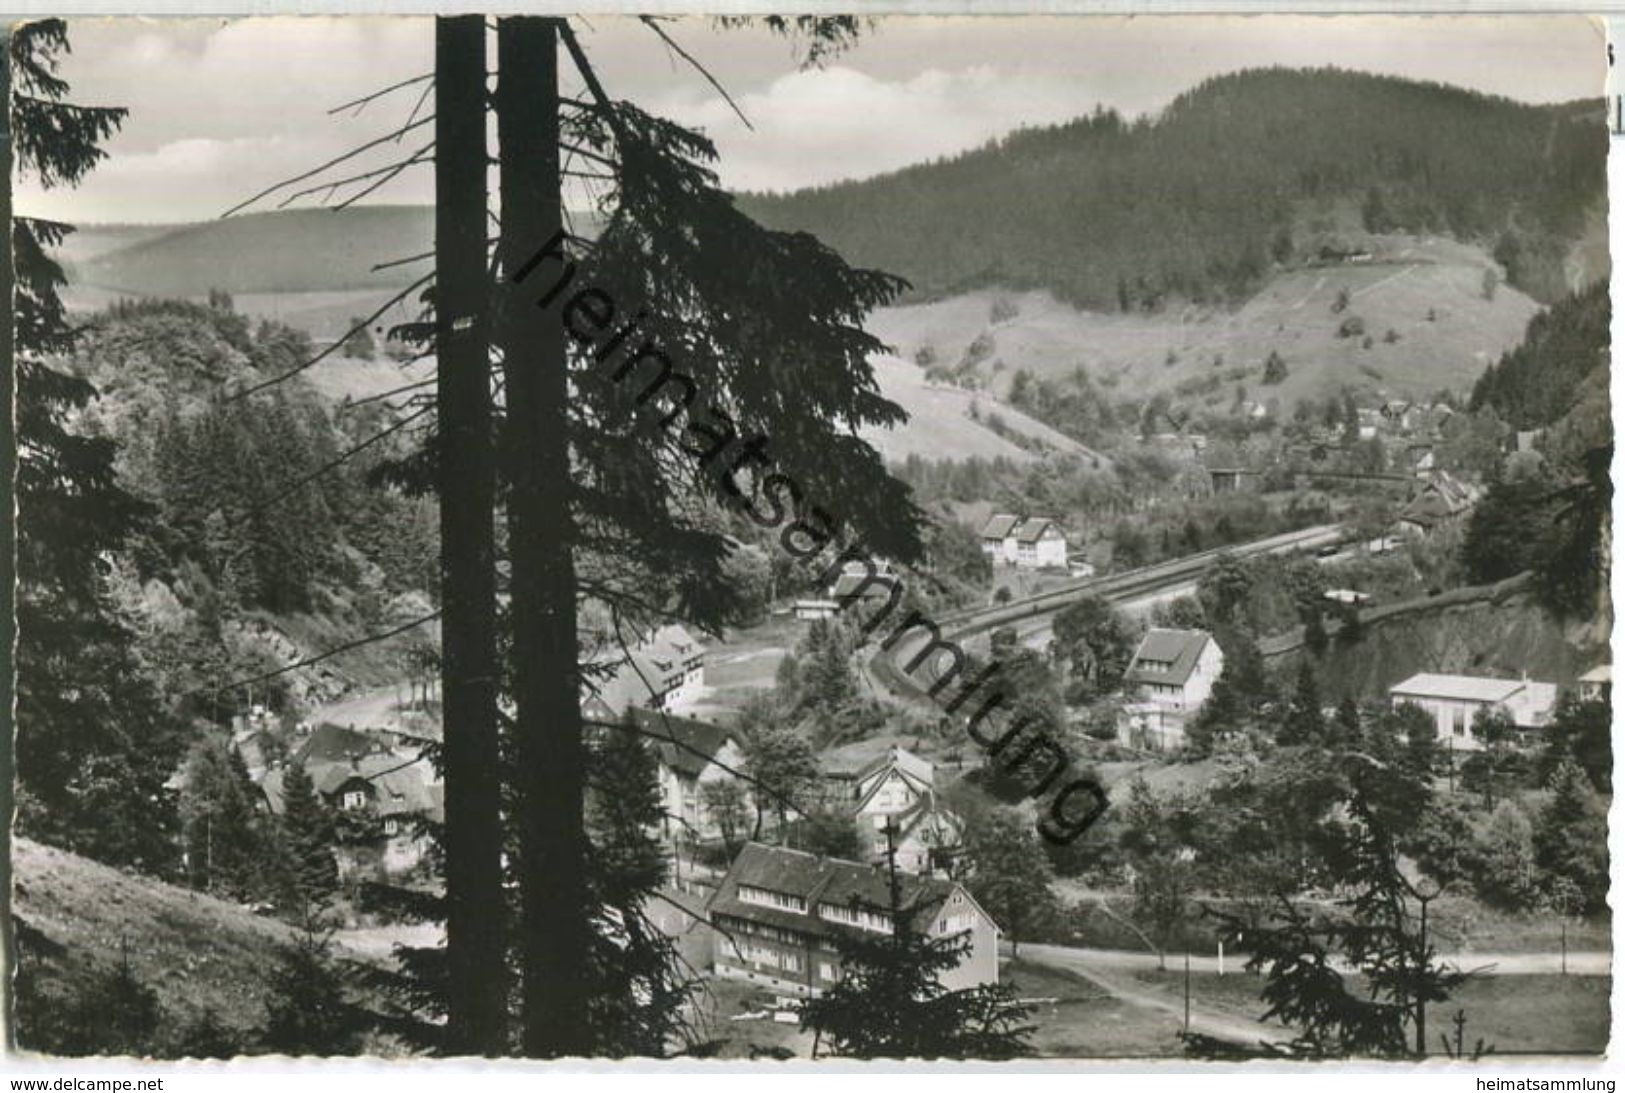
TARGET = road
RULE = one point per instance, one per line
(1110, 977)
(1112, 971)
(1581, 962)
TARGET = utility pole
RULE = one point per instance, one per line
(475, 955)
(1187, 990)
(555, 931)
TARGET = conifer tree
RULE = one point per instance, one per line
(93, 748)
(307, 826)
(310, 1011)
(1571, 836)
(1304, 723)
(890, 1003)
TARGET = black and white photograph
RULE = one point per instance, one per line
(790, 539)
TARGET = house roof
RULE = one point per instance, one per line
(818, 880)
(1467, 688)
(1179, 648)
(1032, 529)
(1602, 673)
(1000, 525)
(400, 785)
(848, 583)
(685, 744)
(642, 672)
(330, 743)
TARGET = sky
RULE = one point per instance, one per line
(220, 109)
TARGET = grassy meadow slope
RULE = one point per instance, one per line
(1201, 354)
(953, 423)
(202, 955)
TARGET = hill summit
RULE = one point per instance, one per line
(1247, 172)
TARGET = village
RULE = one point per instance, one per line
(742, 899)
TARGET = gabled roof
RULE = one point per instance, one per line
(1032, 529)
(641, 673)
(1179, 648)
(685, 744)
(819, 880)
(1000, 525)
(848, 583)
(1602, 673)
(329, 743)
(400, 785)
(1468, 688)
(917, 772)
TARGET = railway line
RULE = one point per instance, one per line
(1138, 585)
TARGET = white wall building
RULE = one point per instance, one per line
(1175, 669)
(1455, 703)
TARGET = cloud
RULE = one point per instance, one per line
(821, 126)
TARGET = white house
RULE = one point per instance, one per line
(690, 756)
(1040, 544)
(666, 671)
(1597, 683)
(1455, 703)
(895, 790)
(778, 912)
(998, 537)
(1175, 669)
(1031, 542)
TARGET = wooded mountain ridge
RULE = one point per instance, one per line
(1260, 168)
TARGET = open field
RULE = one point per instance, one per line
(1206, 353)
(1524, 1014)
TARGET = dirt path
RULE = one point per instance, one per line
(1084, 962)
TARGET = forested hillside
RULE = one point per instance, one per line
(1247, 170)
(1563, 360)
(261, 507)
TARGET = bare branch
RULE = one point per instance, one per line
(365, 99)
(334, 162)
(383, 395)
(337, 461)
(319, 657)
(654, 25)
(336, 183)
(330, 350)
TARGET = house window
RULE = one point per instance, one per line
(828, 972)
(856, 916)
(764, 897)
(353, 799)
(1458, 721)
(392, 826)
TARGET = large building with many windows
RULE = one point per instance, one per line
(777, 913)
(1457, 703)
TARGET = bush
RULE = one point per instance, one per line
(1351, 327)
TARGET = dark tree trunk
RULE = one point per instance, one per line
(476, 991)
(552, 861)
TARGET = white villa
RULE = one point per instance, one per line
(1455, 703)
(1031, 542)
(1173, 672)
